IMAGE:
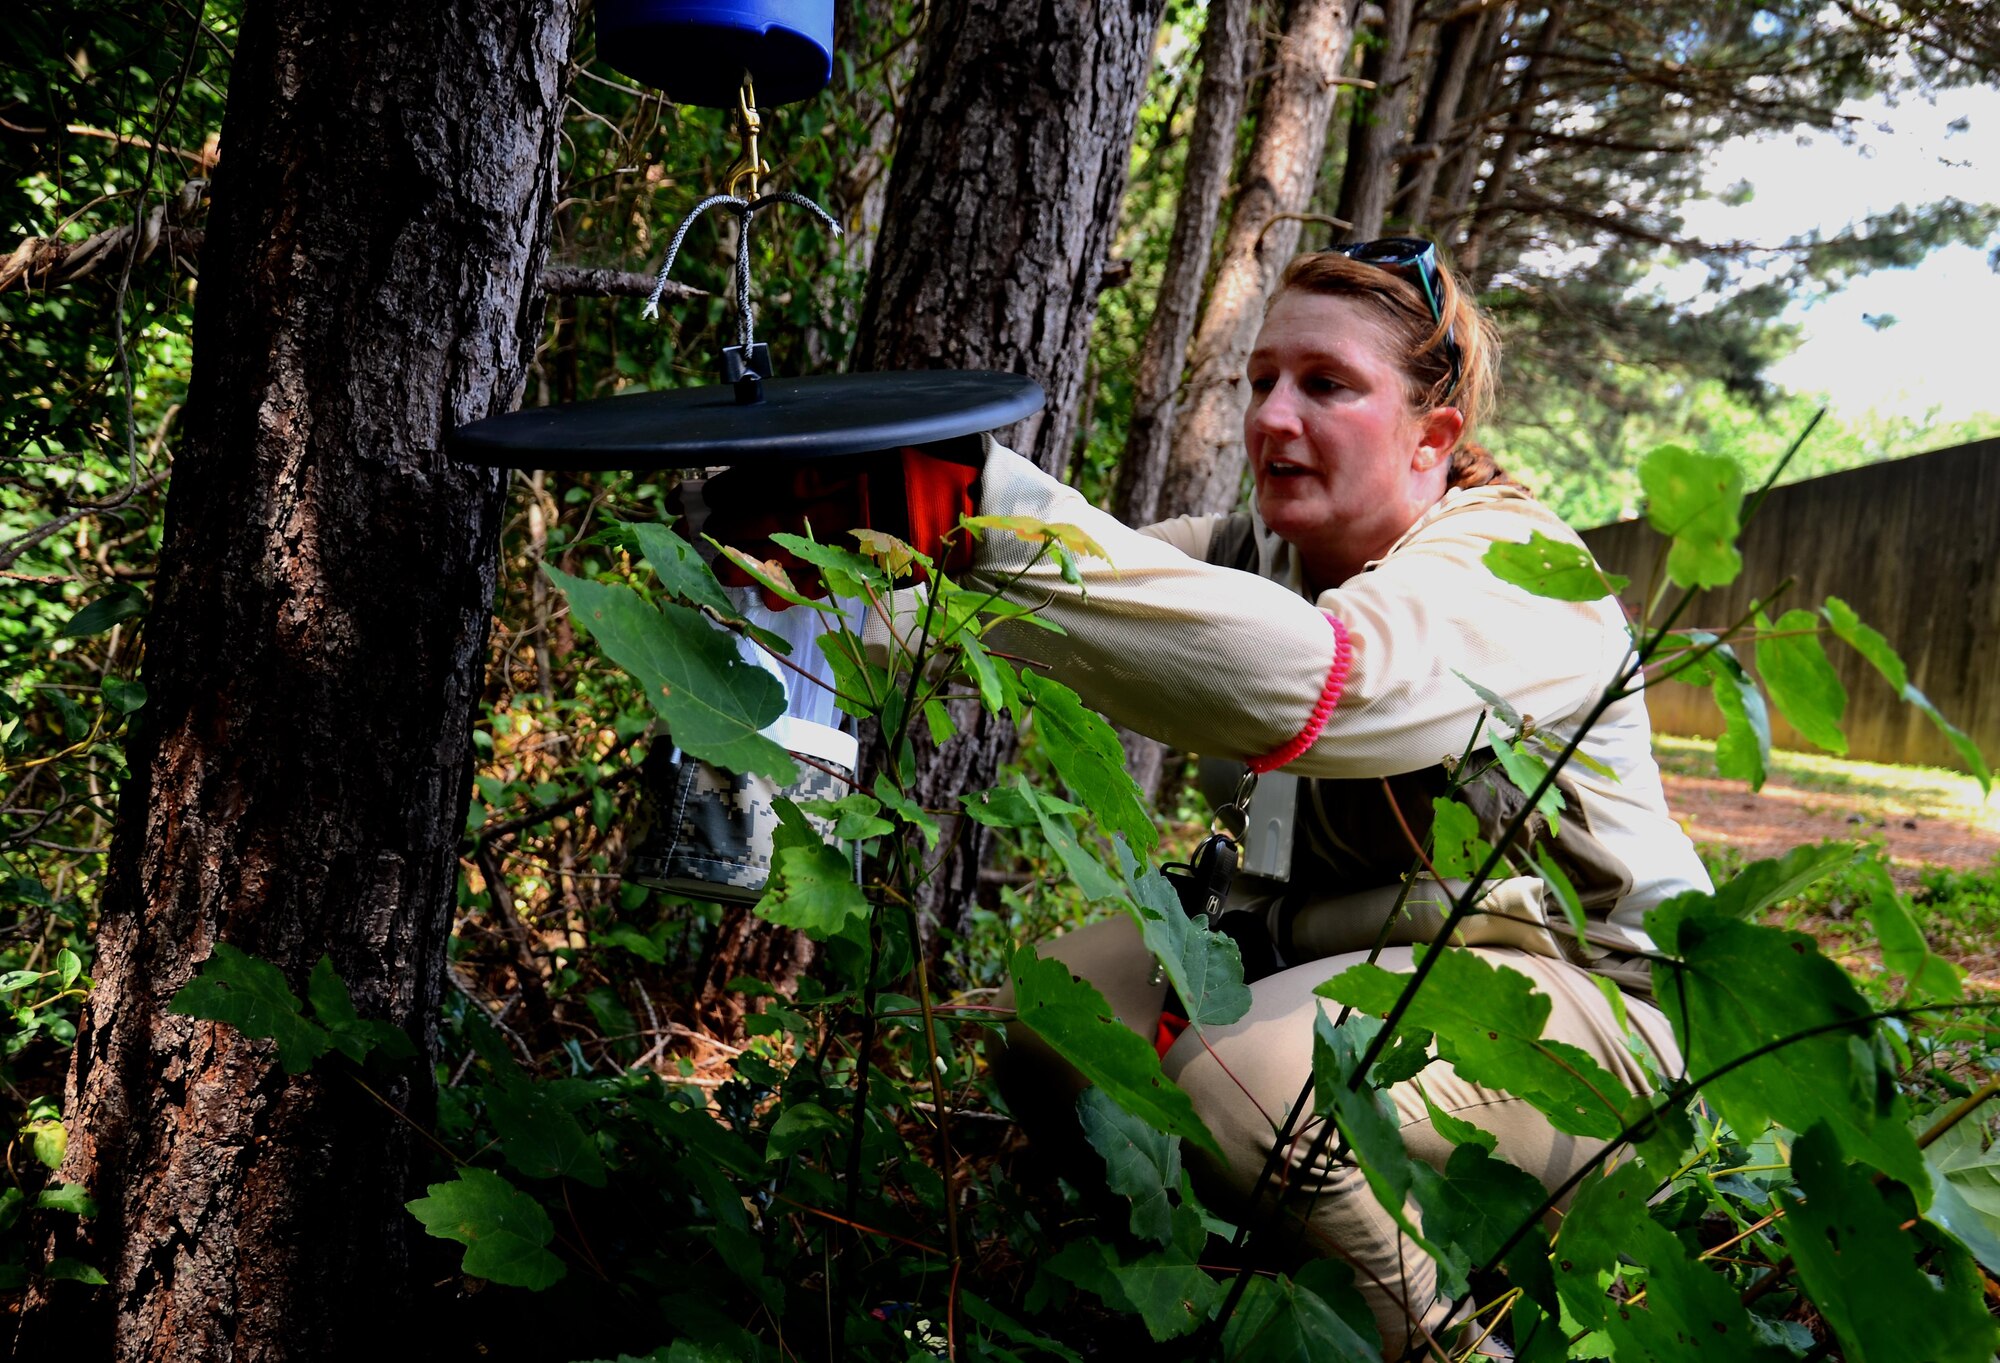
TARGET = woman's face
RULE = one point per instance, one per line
(1343, 462)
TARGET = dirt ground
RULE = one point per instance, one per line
(1782, 816)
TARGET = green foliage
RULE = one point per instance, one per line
(1552, 567)
(1693, 499)
(505, 1232)
(251, 995)
(1140, 1162)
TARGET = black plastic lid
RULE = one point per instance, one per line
(818, 416)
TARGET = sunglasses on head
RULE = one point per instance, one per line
(1416, 260)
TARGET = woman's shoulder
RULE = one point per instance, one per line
(1485, 514)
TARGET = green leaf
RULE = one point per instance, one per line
(1089, 874)
(1456, 1129)
(1801, 682)
(50, 1139)
(1206, 967)
(1367, 1121)
(73, 1198)
(352, 1035)
(539, 1136)
(125, 697)
(1029, 528)
(1140, 1163)
(1474, 1204)
(1527, 771)
(1927, 976)
(799, 1125)
(1886, 1294)
(1559, 885)
(506, 1233)
(68, 967)
(1489, 1021)
(713, 702)
(937, 718)
(811, 886)
(1872, 646)
(101, 614)
(1001, 807)
(1690, 1313)
(1554, 568)
(855, 679)
(1743, 752)
(1694, 500)
(1502, 711)
(1457, 850)
(845, 572)
(1741, 987)
(1074, 1018)
(680, 568)
(854, 816)
(1166, 1288)
(906, 809)
(65, 1269)
(252, 996)
(999, 684)
(981, 1313)
(1085, 751)
(1966, 1179)
(1279, 1321)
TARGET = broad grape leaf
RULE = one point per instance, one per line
(1166, 1288)
(1690, 1313)
(1006, 807)
(680, 569)
(1279, 1320)
(1473, 1206)
(853, 815)
(999, 684)
(1205, 966)
(906, 809)
(1553, 568)
(1087, 755)
(1753, 889)
(252, 996)
(889, 551)
(1140, 1163)
(770, 575)
(1740, 987)
(1927, 976)
(1457, 850)
(1800, 680)
(1743, 752)
(1367, 1121)
(713, 702)
(1073, 1017)
(1887, 1294)
(1694, 500)
(540, 1136)
(1872, 646)
(353, 1035)
(811, 886)
(73, 1198)
(1489, 1021)
(505, 1232)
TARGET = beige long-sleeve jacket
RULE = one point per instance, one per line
(1231, 664)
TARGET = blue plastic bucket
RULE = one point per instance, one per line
(696, 51)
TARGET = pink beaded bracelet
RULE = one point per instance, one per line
(1329, 697)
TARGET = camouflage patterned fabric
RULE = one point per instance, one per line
(712, 838)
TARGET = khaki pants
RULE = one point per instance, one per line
(1249, 1072)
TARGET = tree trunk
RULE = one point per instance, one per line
(1457, 39)
(314, 662)
(1467, 145)
(1207, 462)
(1002, 203)
(1142, 467)
(1377, 130)
(1499, 180)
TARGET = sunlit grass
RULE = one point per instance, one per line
(1921, 792)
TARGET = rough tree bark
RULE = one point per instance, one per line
(1226, 51)
(1002, 203)
(1499, 180)
(1382, 118)
(1465, 150)
(1277, 179)
(1451, 59)
(1211, 148)
(313, 663)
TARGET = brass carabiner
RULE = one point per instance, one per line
(748, 166)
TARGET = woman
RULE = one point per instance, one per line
(1345, 655)
(1372, 516)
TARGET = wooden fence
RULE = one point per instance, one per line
(1913, 545)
